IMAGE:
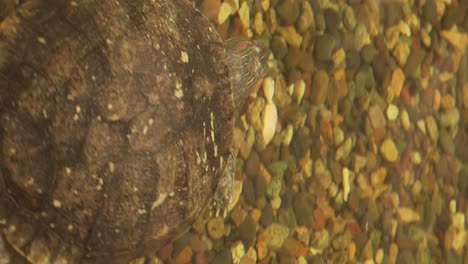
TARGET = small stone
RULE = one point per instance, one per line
(306, 19)
(287, 135)
(436, 100)
(368, 53)
(405, 121)
(447, 102)
(416, 157)
(359, 163)
(156, 260)
(288, 11)
(291, 36)
(254, 111)
(379, 255)
(215, 227)
(260, 194)
(278, 168)
(135, 261)
(425, 37)
(393, 253)
(377, 117)
(432, 128)
(421, 125)
(459, 40)
(267, 216)
(237, 216)
(351, 251)
(261, 244)
(244, 14)
(408, 215)
(449, 117)
(236, 192)
(275, 235)
(224, 12)
(302, 207)
(275, 203)
(367, 250)
(196, 244)
(353, 60)
(319, 89)
(389, 150)
(338, 59)
(332, 20)
(294, 247)
(365, 79)
(324, 47)
(401, 53)
(446, 141)
(263, 172)
(248, 231)
(429, 12)
(252, 254)
(272, 20)
(247, 260)
(320, 22)
(320, 240)
(268, 87)
(199, 258)
(269, 119)
(338, 136)
(398, 79)
(344, 149)
(303, 234)
(345, 183)
(279, 47)
(378, 177)
(349, 19)
(248, 192)
(265, 4)
(299, 90)
(222, 256)
(237, 251)
(413, 62)
(165, 252)
(184, 256)
(361, 36)
(252, 164)
(274, 188)
(301, 260)
(257, 25)
(392, 112)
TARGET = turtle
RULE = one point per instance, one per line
(116, 120)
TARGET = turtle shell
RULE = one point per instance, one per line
(115, 120)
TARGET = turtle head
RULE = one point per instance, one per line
(247, 65)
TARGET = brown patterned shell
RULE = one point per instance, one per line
(115, 118)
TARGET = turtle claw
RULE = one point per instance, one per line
(225, 186)
(220, 211)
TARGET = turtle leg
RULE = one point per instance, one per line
(225, 187)
(247, 62)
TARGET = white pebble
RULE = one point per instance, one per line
(392, 112)
(299, 91)
(287, 135)
(269, 118)
(346, 187)
(268, 89)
